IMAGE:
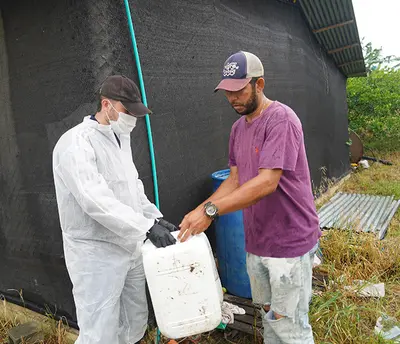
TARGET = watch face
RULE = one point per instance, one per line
(211, 210)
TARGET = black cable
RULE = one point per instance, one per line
(375, 158)
(385, 162)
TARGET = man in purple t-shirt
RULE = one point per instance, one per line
(270, 181)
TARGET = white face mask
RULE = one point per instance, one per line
(124, 124)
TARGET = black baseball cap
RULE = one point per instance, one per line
(123, 89)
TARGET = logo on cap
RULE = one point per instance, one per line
(230, 69)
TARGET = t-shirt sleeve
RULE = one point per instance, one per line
(280, 149)
(232, 159)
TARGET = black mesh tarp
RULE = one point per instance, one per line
(54, 56)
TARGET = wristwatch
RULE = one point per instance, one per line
(211, 210)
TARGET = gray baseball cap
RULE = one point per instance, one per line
(238, 70)
(123, 89)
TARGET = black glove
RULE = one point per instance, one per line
(167, 225)
(160, 236)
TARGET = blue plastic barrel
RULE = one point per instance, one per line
(231, 253)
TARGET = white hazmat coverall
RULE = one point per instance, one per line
(104, 216)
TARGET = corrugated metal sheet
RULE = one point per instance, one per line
(334, 25)
(359, 212)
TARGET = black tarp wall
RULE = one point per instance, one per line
(54, 56)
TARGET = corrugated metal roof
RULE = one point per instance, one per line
(359, 212)
(334, 25)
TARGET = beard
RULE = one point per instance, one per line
(250, 106)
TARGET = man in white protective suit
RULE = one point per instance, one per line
(105, 217)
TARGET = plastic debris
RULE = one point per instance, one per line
(316, 261)
(365, 289)
(387, 327)
(364, 163)
(222, 326)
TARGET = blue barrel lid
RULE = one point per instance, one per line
(221, 175)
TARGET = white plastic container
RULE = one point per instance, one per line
(216, 275)
(183, 287)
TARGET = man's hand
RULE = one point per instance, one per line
(193, 223)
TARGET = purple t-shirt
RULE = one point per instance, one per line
(284, 224)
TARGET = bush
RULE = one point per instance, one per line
(376, 95)
(374, 108)
(378, 133)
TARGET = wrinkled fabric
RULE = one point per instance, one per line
(285, 284)
(228, 310)
(285, 223)
(104, 215)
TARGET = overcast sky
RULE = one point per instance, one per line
(379, 22)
